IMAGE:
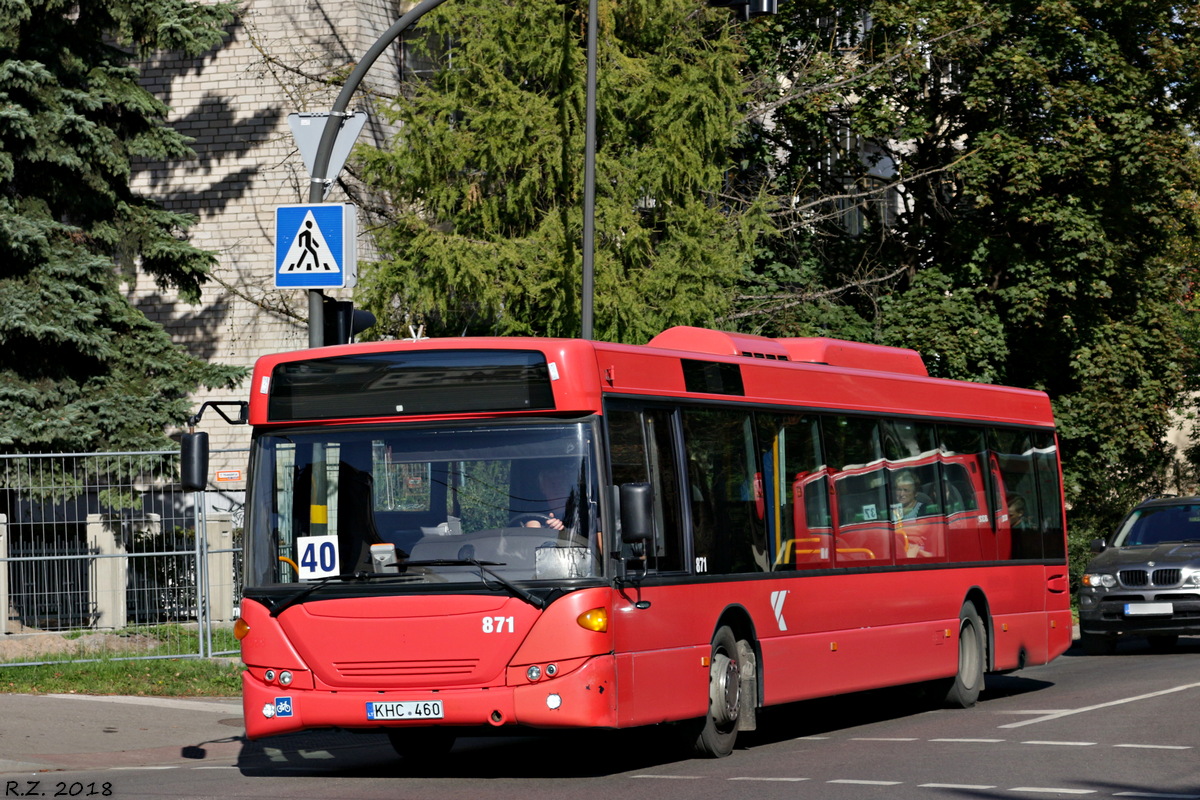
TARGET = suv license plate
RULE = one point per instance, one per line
(406, 709)
(1149, 609)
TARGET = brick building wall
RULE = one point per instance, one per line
(234, 103)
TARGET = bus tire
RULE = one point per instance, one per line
(421, 743)
(972, 654)
(719, 733)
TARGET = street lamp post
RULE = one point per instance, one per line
(589, 180)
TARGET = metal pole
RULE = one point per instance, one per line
(589, 177)
(333, 122)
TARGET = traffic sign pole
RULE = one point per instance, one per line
(320, 170)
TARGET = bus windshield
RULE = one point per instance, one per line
(409, 505)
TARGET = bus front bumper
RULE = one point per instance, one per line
(584, 698)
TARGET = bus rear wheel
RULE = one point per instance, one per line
(719, 733)
(972, 654)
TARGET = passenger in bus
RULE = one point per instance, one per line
(908, 503)
(1017, 519)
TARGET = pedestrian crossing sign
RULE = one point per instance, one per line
(315, 246)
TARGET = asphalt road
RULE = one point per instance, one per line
(1117, 726)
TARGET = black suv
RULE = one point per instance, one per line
(1145, 578)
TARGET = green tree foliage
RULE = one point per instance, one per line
(81, 369)
(1043, 215)
(487, 173)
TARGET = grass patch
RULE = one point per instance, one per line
(174, 677)
(153, 660)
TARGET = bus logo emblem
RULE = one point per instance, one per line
(777, 599)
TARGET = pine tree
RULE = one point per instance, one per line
(81, 369)
(487, 173)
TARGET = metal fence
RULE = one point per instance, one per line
(102, 555)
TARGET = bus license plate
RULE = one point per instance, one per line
(406, 709)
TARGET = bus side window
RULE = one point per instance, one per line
(916, 508)
(725, 490)
(855, 455)
(641, 450)
(964, 464)
(1014, 452)
(1049, 494)
(796, 491)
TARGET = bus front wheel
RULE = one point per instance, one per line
(720, 729)
(972, 654)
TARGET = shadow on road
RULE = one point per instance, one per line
(589, 753)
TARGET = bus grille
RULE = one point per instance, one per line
(448, 668)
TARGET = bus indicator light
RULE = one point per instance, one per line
(595, 619)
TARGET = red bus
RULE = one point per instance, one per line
(447, 536)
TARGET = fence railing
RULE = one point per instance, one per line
(102, 555)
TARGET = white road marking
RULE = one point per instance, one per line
(669, 777)
(789, 780)
(158, 702)
(1060, 714)
(1063, 744)
(885, 739)
(1051, 790)
(971, 741)
(1157, 747)
(969, 786)
(1159, 795)
(867, 783)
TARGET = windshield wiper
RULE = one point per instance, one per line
(302, 594)
(519, 591)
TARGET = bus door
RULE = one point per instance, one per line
(655, 655)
